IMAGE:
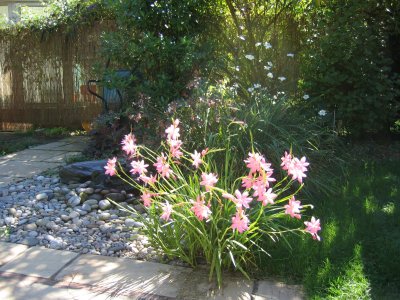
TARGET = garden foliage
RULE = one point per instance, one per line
(351, 66)
(199, 210)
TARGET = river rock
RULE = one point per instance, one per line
(82, 171)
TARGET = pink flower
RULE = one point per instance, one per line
(175, 146)
(204, 152)
(241, 200)
(247, 182)
(297, 168)
(313, 227)
(146, 198)
(162, 166)
(286, 160)
(267, 197)
(293, 208)
(201, 210)
(256, 162)
(110, 167)
(173, 131)
(128, 144)
(208, 180)
(148, 179)
(167, 210)
(240, 221)
(196, 159)
(138, 167)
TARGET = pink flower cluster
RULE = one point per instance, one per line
(294, 166)
(257, 184)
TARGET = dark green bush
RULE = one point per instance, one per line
(163, 44)
(348, 64)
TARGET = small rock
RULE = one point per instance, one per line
(41, 196)
(104, 216)
(9, 220)
(104, 204)
(74, 215)
(91, 202)
(130, 223)
(74, 201)
(30, 227)
(12, 211)
(117, 197)
(86, 207)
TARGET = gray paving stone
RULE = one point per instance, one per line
(9, 251)
(119, 275)
(17, 289)
(31, 155)
(51, 146)
(39, 261)
(16, 169)
(197, 287)
(273, 290)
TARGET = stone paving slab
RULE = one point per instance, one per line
(16, 169)
(17, 289)
(197, 286)
(50, 146)
(39, 261)
(30, 155)
(61, 158)
(9, 251)
(274, 290)
(125, 276)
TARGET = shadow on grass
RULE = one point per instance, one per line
(358, 257)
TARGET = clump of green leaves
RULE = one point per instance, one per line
(163, 44)
(348, 66)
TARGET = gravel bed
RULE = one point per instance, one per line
(76, 217)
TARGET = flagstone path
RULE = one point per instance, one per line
(35, 160)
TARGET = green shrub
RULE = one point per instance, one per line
(348, 64)
(163, 44)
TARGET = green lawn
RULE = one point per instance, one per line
(359, 255)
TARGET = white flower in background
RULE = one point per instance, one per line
(249, 56)
(267, 45)
(281, 78)
(241, 27)
(242, 37)
(322, 112)
(269, 64)
(306, 97)
(237, 68)
(258, 44)
(250, 89)
(267, 68)
(270, 75)
(257, 85)
(290, 55)
(235, 85)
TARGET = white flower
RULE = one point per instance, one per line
(258, 44)
(267, 45)
(241, 27)
(322, 112)
(249, 56)
(281, 78)
(269, 64)
(290, 55)
(257, 85)
(237, 68)
(250, 89)
(306, 97)
(267, 68)
(242, 37)
(270, 75)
